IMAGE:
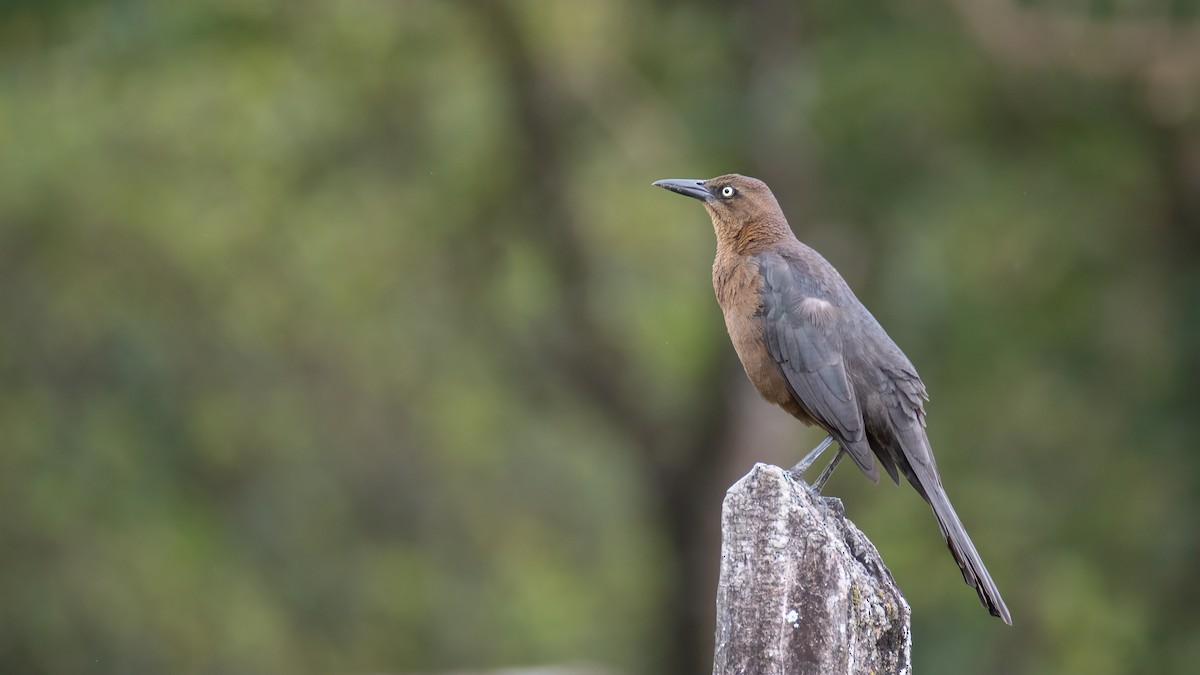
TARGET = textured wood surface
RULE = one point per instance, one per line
(802, 590)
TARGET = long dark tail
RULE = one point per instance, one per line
(973, 570)
(914, 458)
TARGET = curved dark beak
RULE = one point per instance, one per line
(688, 187)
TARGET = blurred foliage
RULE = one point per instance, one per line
(350, 336)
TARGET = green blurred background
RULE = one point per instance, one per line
(348, 337)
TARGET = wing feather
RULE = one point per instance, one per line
(803, 336)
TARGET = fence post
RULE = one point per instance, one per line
(802, 590)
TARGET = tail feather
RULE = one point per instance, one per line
(961, 546)
(915, 459)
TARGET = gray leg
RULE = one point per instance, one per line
(802, 465)
(828, 471)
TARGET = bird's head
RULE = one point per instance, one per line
(741, 207)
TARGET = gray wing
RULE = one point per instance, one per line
(804, 336)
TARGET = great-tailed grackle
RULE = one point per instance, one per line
(810, 347)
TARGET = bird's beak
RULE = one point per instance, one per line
(688, 187)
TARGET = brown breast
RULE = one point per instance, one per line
(737, 284)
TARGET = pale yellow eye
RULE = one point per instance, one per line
(727, 191)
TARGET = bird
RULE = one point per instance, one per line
(811, 347)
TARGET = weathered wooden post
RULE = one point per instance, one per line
(802, 590)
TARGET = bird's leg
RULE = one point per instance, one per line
(811, 457)
(828, 471)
